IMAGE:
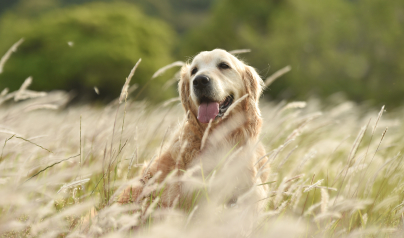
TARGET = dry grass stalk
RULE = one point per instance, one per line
(169, 101)
(167, 67)
(313, 186)
(23, 93)
(171, 81)
(124, 92)
(324, 200)
(293, 105)
(36, 207)
(191, 215)
(205, 135)
(234, 105)
(4, 92)
(268, 81)
(377, 120)
(240, 51)
(41, 106)
(5, 57)
(22, 89)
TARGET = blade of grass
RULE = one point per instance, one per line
(5, 57)
(50, 166)
(5, 142)
(33, 143)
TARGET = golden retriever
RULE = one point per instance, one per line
(220, 96)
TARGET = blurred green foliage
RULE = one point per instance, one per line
(350, 46)
(182, 15)
(338, 45)
(86, 46)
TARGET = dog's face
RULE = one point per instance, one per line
(214, 81)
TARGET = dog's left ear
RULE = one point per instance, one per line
(254, 83)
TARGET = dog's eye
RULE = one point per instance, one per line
(194, 70)
(223, 66)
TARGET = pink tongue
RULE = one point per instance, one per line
(208, 111)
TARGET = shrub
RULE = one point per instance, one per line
(332, 46)
(86, 46)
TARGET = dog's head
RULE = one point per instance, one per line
(213, 81)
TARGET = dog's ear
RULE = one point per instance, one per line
(183, 87)
(254, 83)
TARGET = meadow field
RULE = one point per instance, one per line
(336, 171)
(76, 134)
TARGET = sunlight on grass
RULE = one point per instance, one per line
(336, 171)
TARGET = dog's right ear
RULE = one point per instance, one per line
(254, 83)
(183, 87)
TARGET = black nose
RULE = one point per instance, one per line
(201, 81)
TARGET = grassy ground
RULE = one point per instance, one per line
(336, 171)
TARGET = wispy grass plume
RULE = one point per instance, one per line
(6, 56)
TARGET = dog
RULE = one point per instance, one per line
(220, 96)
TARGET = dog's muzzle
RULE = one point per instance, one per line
(202, 85)
(209, 106)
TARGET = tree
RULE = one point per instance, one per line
(86, 46)
(332, 46)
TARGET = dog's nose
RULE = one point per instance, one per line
(201, 81)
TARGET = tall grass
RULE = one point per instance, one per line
(336, 171)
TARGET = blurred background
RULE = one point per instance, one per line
(353, 48)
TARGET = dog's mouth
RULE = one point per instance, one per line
(225, 105)
(210, 110)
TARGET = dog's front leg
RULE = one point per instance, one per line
(160, 167)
